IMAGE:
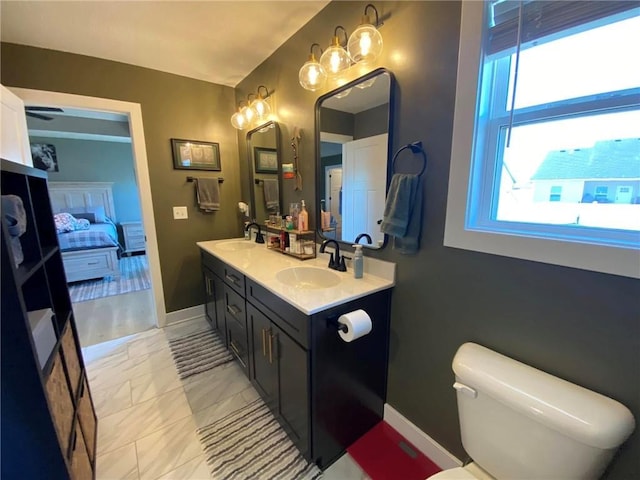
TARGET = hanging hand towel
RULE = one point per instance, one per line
(403, 212)
(16, 220)
(208, 193)
(271, 194)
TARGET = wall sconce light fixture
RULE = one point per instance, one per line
(260, 108)
(365, 43)
(312, 75)
(238, 120)
(335, 59)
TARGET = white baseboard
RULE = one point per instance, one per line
(185, 314)
(423, 442)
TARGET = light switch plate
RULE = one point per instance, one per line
(180, 213)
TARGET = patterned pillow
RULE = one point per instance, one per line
(65, 222)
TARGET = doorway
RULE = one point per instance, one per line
(133, 113)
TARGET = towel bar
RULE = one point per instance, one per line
(415, 147)
(192, 179)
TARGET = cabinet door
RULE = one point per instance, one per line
(210, 297)
(293, 387)
(265, 369)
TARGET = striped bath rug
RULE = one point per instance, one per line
(250, 444)
(198, 352)
(134, 276)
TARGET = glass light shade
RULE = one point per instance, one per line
(365, 44)
(238, 120)
(343, 94)
(312, 76)
(260, 110)
(248, 114)
(335, 60)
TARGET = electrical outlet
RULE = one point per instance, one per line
(180, 213)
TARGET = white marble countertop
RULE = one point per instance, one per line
(262, 264)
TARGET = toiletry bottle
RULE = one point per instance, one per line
(247, 233)
(303, 219)
(358, 262)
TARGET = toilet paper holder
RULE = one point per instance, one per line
(332, 321)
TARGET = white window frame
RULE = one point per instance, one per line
(599, 258)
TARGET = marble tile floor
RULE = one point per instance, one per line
(108, 318)
(147, 416)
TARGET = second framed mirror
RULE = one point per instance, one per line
(265, 167)
(353, 155)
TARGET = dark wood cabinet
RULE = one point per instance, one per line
(325, 393)
(214, 301)
(48, 419)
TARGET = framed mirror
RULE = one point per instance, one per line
(265, 167)
(353, 156)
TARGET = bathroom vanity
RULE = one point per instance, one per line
(279, 316)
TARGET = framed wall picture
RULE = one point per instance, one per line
(266, 160)
(44, 156)
(195, 155)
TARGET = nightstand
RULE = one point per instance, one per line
(134, 240)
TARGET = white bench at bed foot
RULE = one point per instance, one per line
(93, 263)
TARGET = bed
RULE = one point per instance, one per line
(91, 253)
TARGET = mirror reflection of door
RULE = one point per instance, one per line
(364, 187)
(353, 129)
(263, 148)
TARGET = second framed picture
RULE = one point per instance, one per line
(194, 155)
(266, 160)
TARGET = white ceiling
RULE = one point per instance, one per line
(216, 41)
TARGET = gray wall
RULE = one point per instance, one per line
(581, 326)
(98, 161)
(172, 107)
(374, 121)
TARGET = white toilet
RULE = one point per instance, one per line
(518, 422)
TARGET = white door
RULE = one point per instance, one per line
(332, 202)
(624, 194)
(364, 179)
(15, 139)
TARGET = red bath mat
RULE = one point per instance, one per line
(384, 454)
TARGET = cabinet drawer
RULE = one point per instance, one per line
(235, 309)
(237, 337)
(136, 241)
(80, 462)
(234, 279)
(290, 319)
(87, 419)
(71, 360)
(132, 231)
(60, 401)
(216, 265)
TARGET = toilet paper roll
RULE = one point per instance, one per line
(358, 324)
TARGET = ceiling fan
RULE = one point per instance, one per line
(30, 111)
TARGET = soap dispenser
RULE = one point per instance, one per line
(358, 262)
(303, 219)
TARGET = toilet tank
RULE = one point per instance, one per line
(519, 422)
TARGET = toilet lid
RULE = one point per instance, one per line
(453, 474)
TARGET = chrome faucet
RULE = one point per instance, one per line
(335, 262)
(259, 237)
(364, 235)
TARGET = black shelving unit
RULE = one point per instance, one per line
(48, 419)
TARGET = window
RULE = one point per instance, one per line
(555, 174)
(556, 193)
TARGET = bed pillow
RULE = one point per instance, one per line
(65, 222)
(98, 211)
(88, 216)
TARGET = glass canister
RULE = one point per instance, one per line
(294, 211)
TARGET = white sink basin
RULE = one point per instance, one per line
(236, 246)
(308, 278)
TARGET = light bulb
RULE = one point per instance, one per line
(260, 109)
(335, 59)
(365, 44)
(238, 120)
(248, 113)
(311, 75)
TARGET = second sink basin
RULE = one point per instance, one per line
(236, 246)
(308, 278)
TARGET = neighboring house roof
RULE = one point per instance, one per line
(606, 159)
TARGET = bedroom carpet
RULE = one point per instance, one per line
(134, 276)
